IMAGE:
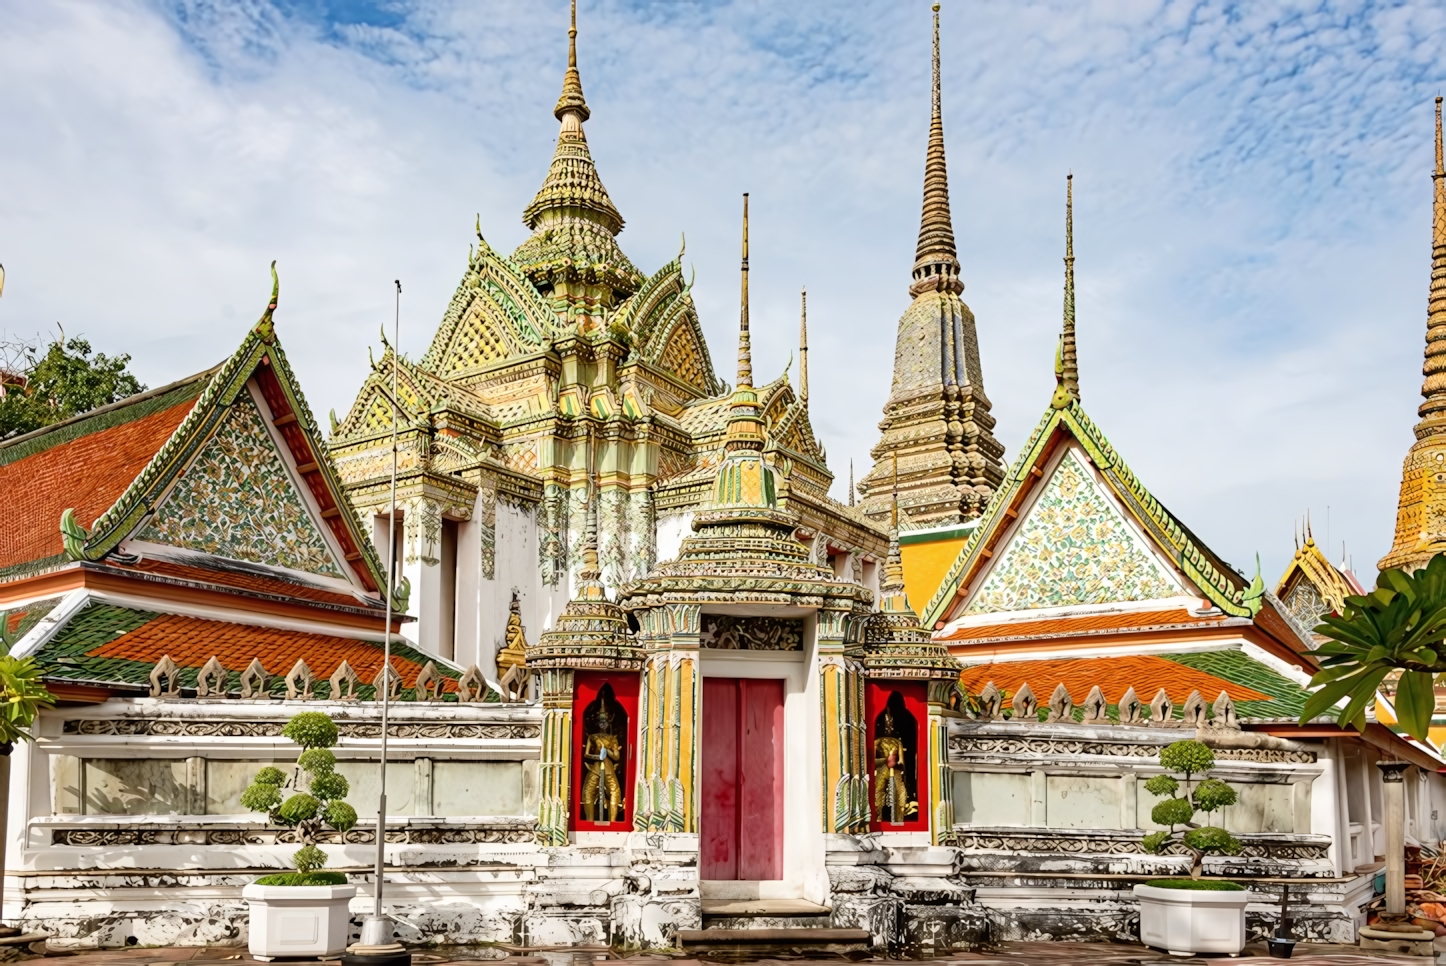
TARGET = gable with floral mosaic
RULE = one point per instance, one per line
(1073, 547)
(237, 500)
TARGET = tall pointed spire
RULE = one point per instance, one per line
(573, 254)
(936, 261)
(572, 99)
(851, 481)
(1433, 409)
(745, 423)
(1420, 530)
(1067, 372)
(745, 347)
(803, 347)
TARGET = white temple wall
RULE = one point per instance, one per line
(672, 528)
(487, 575)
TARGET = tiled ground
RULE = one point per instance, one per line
(1008, 954)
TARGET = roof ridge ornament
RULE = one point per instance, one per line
(265, 328)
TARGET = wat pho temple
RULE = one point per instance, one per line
(659, 689)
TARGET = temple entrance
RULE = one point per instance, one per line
(741, 819)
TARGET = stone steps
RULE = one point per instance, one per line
(779, 924)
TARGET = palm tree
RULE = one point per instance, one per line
(22, 696)
(1399, 626)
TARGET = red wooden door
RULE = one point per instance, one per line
(741, 819)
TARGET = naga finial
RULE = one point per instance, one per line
(264, 327)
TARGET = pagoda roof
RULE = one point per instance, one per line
(102, 644)
(1257, 690)
(84, 464)
(1210, 575)
(179, 473)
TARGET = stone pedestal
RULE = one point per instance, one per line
(1415, 943)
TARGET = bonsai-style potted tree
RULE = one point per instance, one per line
(1194, 914)
(306, 912)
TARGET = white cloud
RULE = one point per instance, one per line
(1252, 217)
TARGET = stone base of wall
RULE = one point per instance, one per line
(911, 899)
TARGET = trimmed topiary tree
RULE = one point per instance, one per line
(316, 802)
(1183, 798)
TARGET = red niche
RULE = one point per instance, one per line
(604, 755)
(898, 755)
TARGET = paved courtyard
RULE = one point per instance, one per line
(1006, 954)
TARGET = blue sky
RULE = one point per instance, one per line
(1252, 201)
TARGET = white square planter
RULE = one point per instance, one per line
(1184, 921)
(298, 920)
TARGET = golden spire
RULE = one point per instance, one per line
(803, 348)
(1433, 409)
(572, 189)
(851, 481)
(745, 423)
(936, 261)
(1420, 532)
(745, 348)
(572, 99)
(1067, 371)
(891, 588)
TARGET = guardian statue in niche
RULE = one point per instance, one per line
(605, 724)
(895, 730)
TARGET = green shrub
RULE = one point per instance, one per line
(308, 858)
(318, 761)
(1199, 885)
(316, 799)
(1182, 799)
(303, 879)
(330, 785)
(298, 808)
(1172, 811)
(311, 729)
(1189, 756)
(261, 797)
(340, 816)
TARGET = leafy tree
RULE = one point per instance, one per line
(63, 380)
(1182, 801)
(22, 693)
(317, 796)
(1399, 626)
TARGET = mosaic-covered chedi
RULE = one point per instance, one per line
(656, 688)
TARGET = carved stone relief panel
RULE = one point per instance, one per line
(730, 633)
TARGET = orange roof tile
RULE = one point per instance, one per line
(190, 641)
(1147, 674)
(88, 473)
(1129, 622)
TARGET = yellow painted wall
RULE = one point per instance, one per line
(926, 565)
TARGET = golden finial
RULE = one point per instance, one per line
(745, 349)
(572, 99)
(851, 481)
(803, 347)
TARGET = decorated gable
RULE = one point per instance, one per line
(1073, 546)
(495, 314)
(237, 499)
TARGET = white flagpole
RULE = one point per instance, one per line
(386, 676)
